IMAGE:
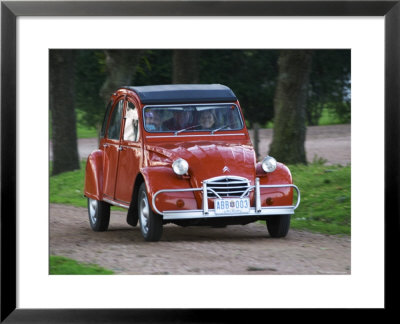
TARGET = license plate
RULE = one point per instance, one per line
(232, 205)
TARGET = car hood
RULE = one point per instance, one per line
(209, 159)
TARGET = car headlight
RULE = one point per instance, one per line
(269, 164)
(180, 166)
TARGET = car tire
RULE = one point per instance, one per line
(278, 226)
(150, 223)
(99, 215)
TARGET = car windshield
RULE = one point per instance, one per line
(192, 118)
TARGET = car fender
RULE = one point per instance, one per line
(94, 175)
(281, 176)
(162, 177)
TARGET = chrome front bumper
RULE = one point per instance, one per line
(205, 212)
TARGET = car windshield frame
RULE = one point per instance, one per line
(196, 109)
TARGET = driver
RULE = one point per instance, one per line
(180, 120)
(207, 120)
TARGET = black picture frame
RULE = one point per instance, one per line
(10, 10)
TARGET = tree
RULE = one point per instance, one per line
(290, 106)
(121, 66)
(90, 76)
(62, 107)
(251, 74)
(185, 67)
(329, 85)
(155, 67)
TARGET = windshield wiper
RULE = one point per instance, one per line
(219, 128)
(185, 129)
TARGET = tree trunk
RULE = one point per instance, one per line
(185, 66)
(290, 107)
(121, 66)
(62, 106)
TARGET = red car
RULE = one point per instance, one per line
(182, 154)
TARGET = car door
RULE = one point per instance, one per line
(111, 145)
(130, 153)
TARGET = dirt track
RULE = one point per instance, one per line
(331, 143)
(204, 250)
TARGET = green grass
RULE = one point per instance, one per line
(67, 188)
(81, 131)
(325, 198)
(63, 266)
(325, 195)
(84, 132)
(328, 117)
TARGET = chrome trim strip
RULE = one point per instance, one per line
(230, 192)
(192, 214)
(193, 135)
(112, 202)
(217, 179)
(205, 199)
(258, 196)
(191, 104)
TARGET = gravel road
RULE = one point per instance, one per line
(204, 250)
(235, 249)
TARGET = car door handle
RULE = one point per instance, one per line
(105, 145)
(120, 148)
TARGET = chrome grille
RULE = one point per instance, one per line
(227, 186)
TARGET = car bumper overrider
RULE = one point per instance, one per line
(206, 212)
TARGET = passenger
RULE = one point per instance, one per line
(180, 120)
(153, 121)
(207, 120)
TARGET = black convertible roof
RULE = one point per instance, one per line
(183, 93)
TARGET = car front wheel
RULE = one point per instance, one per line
(150, 222)
(278, 226)
(99, 215)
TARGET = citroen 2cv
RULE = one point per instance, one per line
(181, 154)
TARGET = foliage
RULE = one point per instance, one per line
(90, 76)
(155, 67)
(325, 195)
(86, 132)
(60, 265)
(329, 85)
(329, 117)
(250, 73)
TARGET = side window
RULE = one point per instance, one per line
(131, 131)
(115, 122)
(105, 120)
